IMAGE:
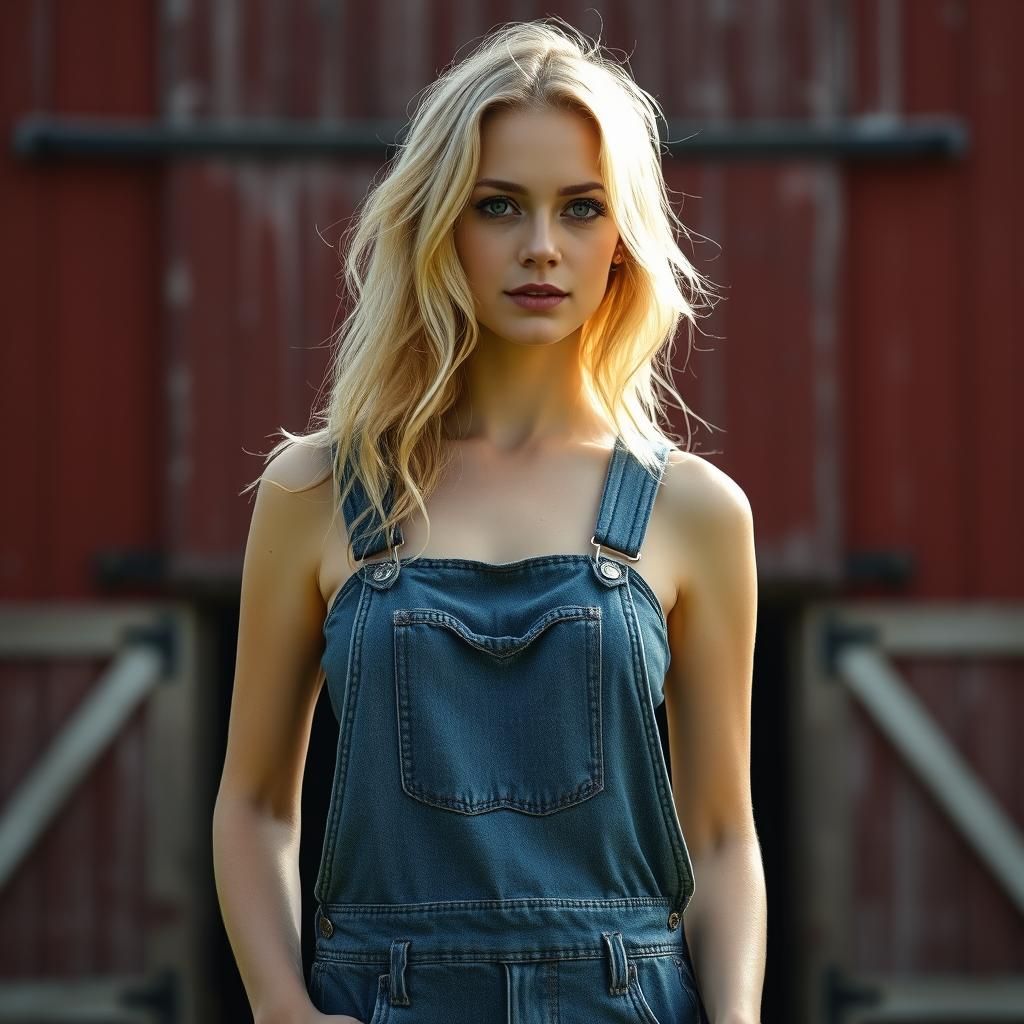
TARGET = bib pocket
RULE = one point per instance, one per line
(487, 722)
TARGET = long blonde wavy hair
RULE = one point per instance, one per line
(397, 356)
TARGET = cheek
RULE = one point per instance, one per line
(599, 262)
(471, 251)
(481, 260)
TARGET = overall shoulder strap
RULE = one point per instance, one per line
(627, 500)
(352, 507)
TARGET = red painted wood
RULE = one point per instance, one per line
(163, 320)
(82, 400)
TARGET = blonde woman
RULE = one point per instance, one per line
(504, 841)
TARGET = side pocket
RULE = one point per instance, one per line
(689, 984)
(314, 987)
(636, 993)
(382, 1006)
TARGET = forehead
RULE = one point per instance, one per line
(543, 149)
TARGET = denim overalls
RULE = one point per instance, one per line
(502, 845)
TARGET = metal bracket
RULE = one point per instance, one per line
(840, 995)
(835, 635)
(161, 995)
(161, 635)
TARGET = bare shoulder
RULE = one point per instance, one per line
(300, 468)
(294, 510)
(709, 513)
(702, 496)
(297, 487)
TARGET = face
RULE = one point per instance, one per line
(538, 215)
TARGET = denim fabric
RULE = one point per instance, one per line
(502, 844)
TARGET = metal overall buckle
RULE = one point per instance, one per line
(610, 568)
(383, 570)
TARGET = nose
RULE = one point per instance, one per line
(540, 247)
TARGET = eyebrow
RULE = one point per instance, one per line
(511, 186)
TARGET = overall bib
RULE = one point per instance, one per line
(502, 845)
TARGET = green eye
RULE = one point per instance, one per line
(587, 203)
(594, 204)
(482, 207)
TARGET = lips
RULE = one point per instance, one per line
(536, 289)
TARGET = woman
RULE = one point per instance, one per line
(504, 842)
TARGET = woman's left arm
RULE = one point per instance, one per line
(708, 709)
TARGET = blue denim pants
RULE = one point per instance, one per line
(502, 843)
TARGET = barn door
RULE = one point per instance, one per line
(907, 833)
(98, 830)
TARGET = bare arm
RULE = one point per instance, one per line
(277, 681)
(708, 703)
(258, 888)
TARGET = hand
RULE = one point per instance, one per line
(309, 1014)
(316, 1017)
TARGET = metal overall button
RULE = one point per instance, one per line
(326, 928)
(610, 568)
(673, 919)
(384, 573)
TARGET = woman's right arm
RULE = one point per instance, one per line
(257, 816)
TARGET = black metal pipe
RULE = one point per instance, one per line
(38, 137)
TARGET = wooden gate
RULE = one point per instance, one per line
(910, 857)
(105, 697)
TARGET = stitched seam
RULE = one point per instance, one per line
(648, 494)
(685, 982)
(352, 674)
(614, 493)
(609, 491)
(362, 958)
(433, 906)
(650, 728)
